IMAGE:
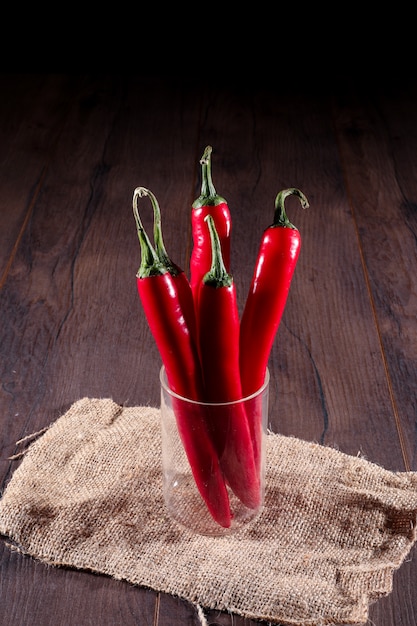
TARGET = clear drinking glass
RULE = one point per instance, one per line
(191, 495)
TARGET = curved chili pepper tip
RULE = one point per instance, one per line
(150, 264)
(141, 192)
(137, 194)
(280, 216)
(208, 196)
(206, 156)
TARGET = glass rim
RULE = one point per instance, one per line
(164, 383)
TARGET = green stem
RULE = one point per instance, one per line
(150, 264)
(280, 216)
(208, 195)
(217, 276)
(157, 234)
(207, 187)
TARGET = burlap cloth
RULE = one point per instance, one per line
(88, 494)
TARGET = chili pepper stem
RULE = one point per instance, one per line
(160, 249)
(280, 216)
(217, 276)
(150, 264)
(208, 196)
(207, 187)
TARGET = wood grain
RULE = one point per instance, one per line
(343, 365)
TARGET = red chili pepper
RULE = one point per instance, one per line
(274, 268)
(207, 203)
(277, 257)
(182, 283)
(163, 307)
(218, 325)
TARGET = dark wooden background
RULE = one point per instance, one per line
(344, 364)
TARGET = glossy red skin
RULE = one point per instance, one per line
(162, 306)
(268, 293)
(186, 299)
(192, 423)
(218, 323)
(219, 343)
(201, 254)
(167, 321)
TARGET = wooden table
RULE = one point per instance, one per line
(343, 365)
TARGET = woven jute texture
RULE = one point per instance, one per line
(88, 495)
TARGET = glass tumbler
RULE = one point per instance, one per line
(213, 460)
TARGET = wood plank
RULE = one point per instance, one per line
(377, 145)
(37, 293)
(42, 596)
(32, 109)
(376, 134)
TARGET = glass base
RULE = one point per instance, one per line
(195, 515)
